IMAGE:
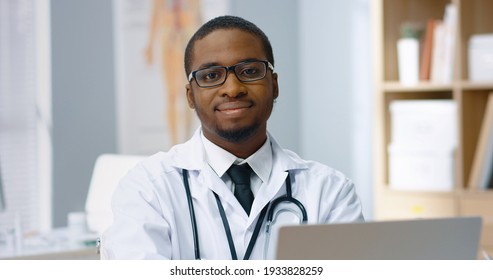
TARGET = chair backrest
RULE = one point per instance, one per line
(108, 170)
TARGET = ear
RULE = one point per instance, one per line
(190, 99)
(275, 86)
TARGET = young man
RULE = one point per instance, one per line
(213, 196)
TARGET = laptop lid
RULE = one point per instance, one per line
(421, 239)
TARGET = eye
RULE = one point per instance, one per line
(210, 75)
(249, 71)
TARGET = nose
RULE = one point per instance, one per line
(233, 87)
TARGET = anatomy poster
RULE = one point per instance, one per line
(151, 36)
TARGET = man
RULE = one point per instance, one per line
(189, 202)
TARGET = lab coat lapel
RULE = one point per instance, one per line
(191, 156)
(208, 178)
(215, 184)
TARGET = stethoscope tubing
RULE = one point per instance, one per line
(192, 215)
(286, 198)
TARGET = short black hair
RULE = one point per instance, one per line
(227, 22)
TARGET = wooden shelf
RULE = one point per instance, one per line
(474, 17)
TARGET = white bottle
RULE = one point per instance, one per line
(408, 60)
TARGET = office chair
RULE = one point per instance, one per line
(108, 170)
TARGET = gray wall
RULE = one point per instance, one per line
(336, 97)
(326, 103)
(84, 118)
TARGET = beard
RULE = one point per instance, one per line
(238, 135)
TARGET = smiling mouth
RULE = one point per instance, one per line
(234, 107)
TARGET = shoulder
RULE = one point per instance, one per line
(144, 177)
(290, 160)
(188, 155)
(155, 164)
(314, 168)
(325, 173)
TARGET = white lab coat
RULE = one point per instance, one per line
(152, 218)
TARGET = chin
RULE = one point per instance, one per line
(238, 135)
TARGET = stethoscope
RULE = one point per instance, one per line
(268, 210)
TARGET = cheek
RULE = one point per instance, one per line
(268, 102)
(200, 104)
(198, 100)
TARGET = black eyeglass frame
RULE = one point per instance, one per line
(231, 68)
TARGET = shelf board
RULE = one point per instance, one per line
(388, 191)
(482, 194)
(394, 86)
(468, 85)
(486, 194)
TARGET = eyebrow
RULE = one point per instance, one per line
(207, 65)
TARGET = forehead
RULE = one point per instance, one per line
(227, 47)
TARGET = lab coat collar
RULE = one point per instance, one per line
(189, 155)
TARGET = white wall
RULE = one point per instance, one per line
(279, 20)
(323, 112)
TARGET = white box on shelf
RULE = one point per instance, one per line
(421, 169)
(481, 58)
(424, 123)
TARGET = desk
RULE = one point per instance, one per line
(72, 254)
(54, 245)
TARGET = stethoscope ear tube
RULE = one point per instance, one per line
(192, 215)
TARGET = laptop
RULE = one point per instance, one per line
(422, 239)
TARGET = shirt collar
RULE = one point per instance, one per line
(220, 160)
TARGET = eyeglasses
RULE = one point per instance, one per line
(216, 75)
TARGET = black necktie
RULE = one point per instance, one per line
(240, 174)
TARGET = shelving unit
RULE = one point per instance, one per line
(474, 17)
